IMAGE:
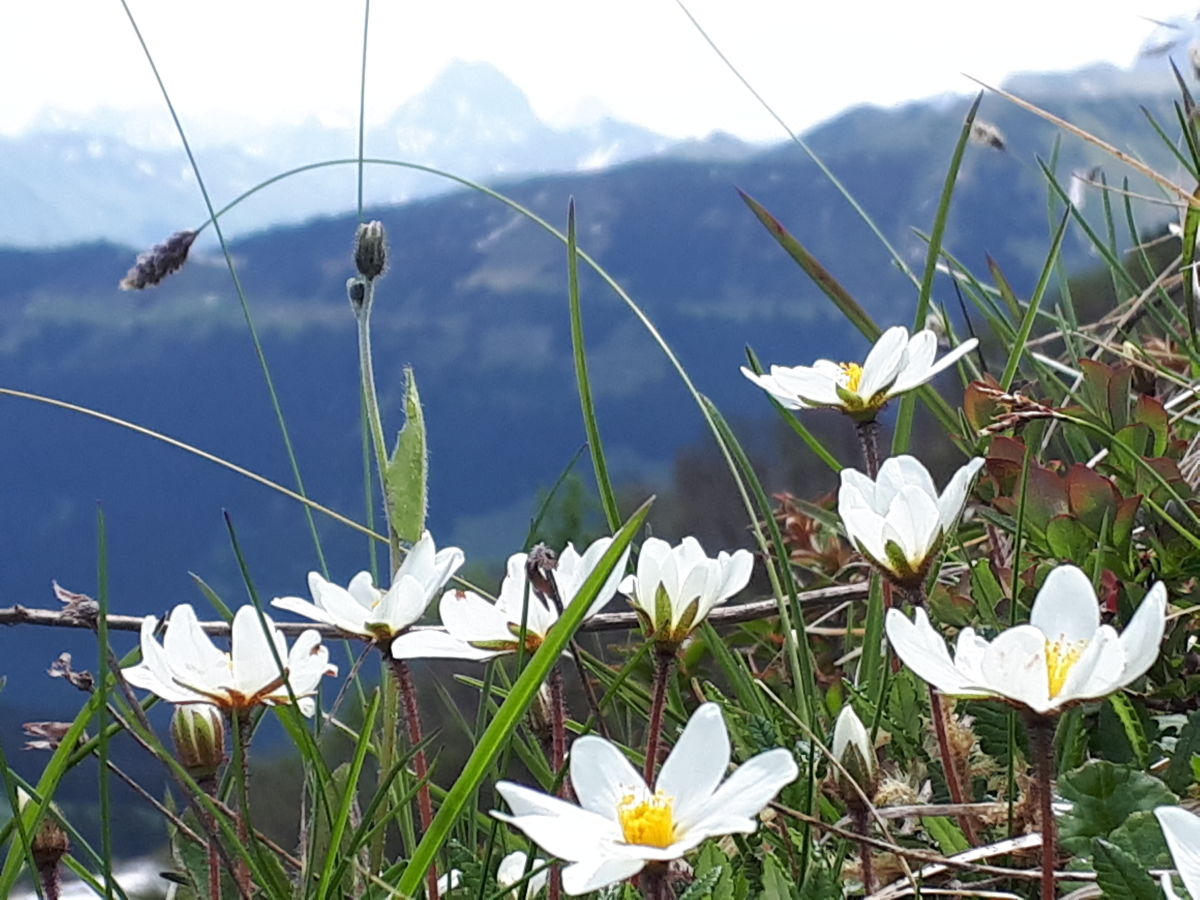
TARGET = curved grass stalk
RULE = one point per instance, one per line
(237, 286)
(897, 259)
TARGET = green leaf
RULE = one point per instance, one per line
(704, 886)
(1103, 796)
(949, 836)
(1142, 838)
(1135, 732)
(1068, 539)
(776, 883)
(1179, 773)
(407, 475)
(1119, 874)
(512, 710)
(712, 859)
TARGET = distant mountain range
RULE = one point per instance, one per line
(103, 177)
(475, 300)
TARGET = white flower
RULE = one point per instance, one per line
(512, 869)
(620, 824)
(675, 588)
(364, 609)
(1062, 656)
(1182, 831)
(852, 748)
(479, 630)
(897, 363)
(451, 881)
(898, 521)
(188, 668)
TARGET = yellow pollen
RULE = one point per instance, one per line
(1061, 657)
(648, 822)
(853, 373)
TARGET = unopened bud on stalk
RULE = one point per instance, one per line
(370, 250)
(356, 292)
(198, 731)
(852, 748)
(49, 843)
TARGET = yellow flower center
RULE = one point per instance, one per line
(853, 373)
(1061, 656)
(649, 821)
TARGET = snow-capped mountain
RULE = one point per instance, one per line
(127, 179)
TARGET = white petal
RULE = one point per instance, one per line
(923, 650)
(1066, 607)
(308, 610)
(918, 361)
(1141, 640)
(849, 731)
(592, 874)
(254, 663)
(805, 386)
(361, 588)
(403, 605)
(1015, 667)
(429, 643)
(469, 617)
(186, 644)
(745, 793)
(696, 764)
(560, 828)
(883, 363)
(602, 776)
(950, 504)
(307, 663)
(1182, 831)
(863, 526)
(1097, 672)
(914, 517)
(899, 472)
(907, 381)
(768, 384)
(736, 569)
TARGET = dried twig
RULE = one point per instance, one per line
(620, 621)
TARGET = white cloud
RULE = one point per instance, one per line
(284, 60)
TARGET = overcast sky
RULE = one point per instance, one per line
(641, 60)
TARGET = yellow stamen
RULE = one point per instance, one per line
(1061, 657)
(649, 821)
(853, 373)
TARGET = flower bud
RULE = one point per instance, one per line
(356, 292)
(49, 843)
(370, 250)
(852, 748)
(198, 730)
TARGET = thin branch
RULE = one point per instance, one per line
(620, 621)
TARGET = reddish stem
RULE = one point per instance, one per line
(664, 666)
(949, 766)
(558, 755)
(1041, 733)
(412, 719)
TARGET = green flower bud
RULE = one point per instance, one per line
(852, 748)
(198, 730)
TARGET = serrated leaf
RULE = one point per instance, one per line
(407, 475)
(704, 885)
(1103, 795)
(776, 883)
(1135, 732)
(1120, 875)
(712, 859)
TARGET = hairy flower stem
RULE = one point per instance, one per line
(656, 883)
(412, 719)
(949, 765)
(558, 754)
(860, 816)
(366, 365)
(868, 440)
(1041, 744)
(241, 726)
(209, 784)
(664, 668)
